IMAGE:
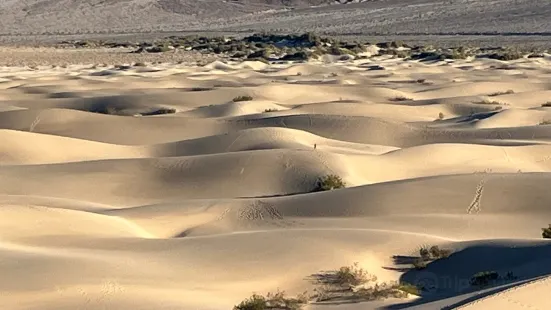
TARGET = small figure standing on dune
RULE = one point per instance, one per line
(315, 146)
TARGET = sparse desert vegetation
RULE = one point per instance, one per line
(434, 252)
(499, 93)
(242, 98)
(485, 278)
(489, 102)
(329, 182)
(401, 98)
(354, 282)
(201, 88)
(429, 254)
(277, 300)
(270, 110)
(546, 232)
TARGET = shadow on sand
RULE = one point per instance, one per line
(446, 283)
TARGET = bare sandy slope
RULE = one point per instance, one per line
(150, 188)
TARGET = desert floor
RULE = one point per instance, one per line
(200, 208)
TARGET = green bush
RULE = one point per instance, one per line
(330, 182)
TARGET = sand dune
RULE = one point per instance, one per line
(152, 188)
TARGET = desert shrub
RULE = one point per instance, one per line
(139, 64)
(330, 182)
(424, 253)
(427, 254)
(409, 288)
(276, 300)
(420, 263)
(546, 232)
(400, 98)
(270, 110)
(483, 278)
(547, 104)
(106, 109)
(158, 49)
(545, 122)
(354, 282)
(499, 93)
(437, 253)
(298, 56)
(264, 53)
(440, 116)
(200, 88)
(488, 101)
(255, 302)
(380, 291)
(159, 111)
(354, 275)
(242, 98)
(507, 55)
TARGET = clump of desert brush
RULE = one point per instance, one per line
(329, 182)
(346, 283)
(354, 282)
(429, 254)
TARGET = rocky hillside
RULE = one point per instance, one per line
(28, 17)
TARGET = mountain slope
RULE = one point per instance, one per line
(371, 17)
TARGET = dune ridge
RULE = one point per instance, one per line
(176, 187)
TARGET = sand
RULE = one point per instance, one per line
(105, 206)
